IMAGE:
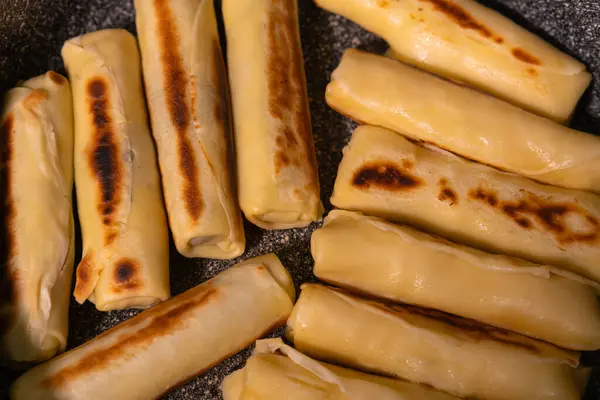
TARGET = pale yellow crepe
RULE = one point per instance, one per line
(276, 162)
(276, 371)
(146, 356)
(377, 90)
(466, 41)
(188, 100)
(458, 356)
(401, 264)
(385, 175)
(36, 219)
(123, 224)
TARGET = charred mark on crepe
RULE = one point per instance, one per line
(105, 163)
(271, 328)
(385, 175)
(126, 275)
(175, 87)
(8, 290)
(163, 319)
(463, 18)
(484, 195)
(286, 85)
(522, 55)
(474, 329)
(446, 192)
(551, 216)
(83, 275)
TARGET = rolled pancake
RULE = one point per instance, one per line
(385, 175)
(276, 162)
(36, 219)
(188, 99)
(275, 368)
(465, 41)
(123, 224)
(191, 332)
(377, 90)
(457, 356)
(401, 264)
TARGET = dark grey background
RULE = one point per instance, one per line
(32, 33)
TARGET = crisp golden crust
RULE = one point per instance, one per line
(84, 277)
(287, 98)
(175, 88)
(164, 319)
(105, 161)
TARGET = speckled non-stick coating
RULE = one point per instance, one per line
(32, 33)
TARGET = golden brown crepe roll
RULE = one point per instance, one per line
(399, 263)
(276, 369)
(123, 223)
(466, 41)
(36, 219)
(459, 356)
(385, 175)
(277, 167)
(191, 333)
(186, 88)
(377, 90)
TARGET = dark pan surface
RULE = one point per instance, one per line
(32, 33)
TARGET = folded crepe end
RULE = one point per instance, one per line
(86, 279)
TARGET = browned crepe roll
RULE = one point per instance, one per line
(385, 175)
(188, 99)
(36, 219)
(466, 41)
(462, 357)
(399, 263)
(377, 90)
(146, 356)
(123, 224)
(276, 162)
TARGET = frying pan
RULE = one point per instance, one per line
(33, 31)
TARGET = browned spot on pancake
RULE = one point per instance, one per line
(385, 175)
(407, 164)
(287, 101)
(175, 88)
(526, 57)
(162, 320)
(56, 78)
(484, 195)
(446, 192)
(383, 3)
(34, 98)
(463, 18)
(551, 216)
(126, 270)
(83, 276)
(475, 330)
(105, 163)
(126, 275)
(532, 71)
(8, 277)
